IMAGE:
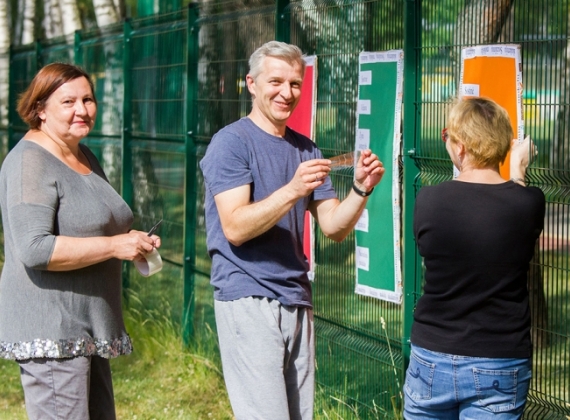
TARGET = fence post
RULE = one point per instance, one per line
(39, 59)
(412, 129)
(126, 132)
(191, 182)
(127, 158)
(77, 57)
(11, 102)
(282, 21)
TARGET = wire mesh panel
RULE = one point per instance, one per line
(226, 40)
(541, 28)
(57, 50)
(158, 74)
(141, 75)
(101, 55)
(23, 68)
(358, 338)
(546, 72)
(156, 127)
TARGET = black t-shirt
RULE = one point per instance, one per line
(477, 241)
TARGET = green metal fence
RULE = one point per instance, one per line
(166, 84)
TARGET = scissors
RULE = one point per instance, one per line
(154, 228)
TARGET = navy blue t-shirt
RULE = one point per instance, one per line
(273, 264)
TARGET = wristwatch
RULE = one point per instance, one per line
(360, 192)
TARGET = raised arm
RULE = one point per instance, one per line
(522, 154)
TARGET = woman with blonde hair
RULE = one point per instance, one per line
(471, 347)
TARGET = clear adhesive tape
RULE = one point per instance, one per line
(152, 263)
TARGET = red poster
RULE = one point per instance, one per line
(303, 121)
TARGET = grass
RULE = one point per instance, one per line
(159, 380)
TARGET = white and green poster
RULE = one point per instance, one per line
(378, 258)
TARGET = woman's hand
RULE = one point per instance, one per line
(522, 154)
(134, 245)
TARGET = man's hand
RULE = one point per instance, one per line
(310, 175)
(369, 170)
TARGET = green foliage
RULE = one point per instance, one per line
(438, 24)
(162, 379)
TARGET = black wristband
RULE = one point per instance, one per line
(360, 192)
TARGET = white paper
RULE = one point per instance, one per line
(364, 106)
(362, 258)
(362, 139)
(365, 78)
(362, 223)
(470, 90)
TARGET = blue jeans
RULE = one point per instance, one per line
(448, 387)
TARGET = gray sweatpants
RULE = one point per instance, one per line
(66, 389)
(268, 358)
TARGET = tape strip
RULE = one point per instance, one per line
(152, 263)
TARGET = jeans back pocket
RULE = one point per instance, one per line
(419, 378)
(496, 389)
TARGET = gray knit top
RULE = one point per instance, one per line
(58, 314)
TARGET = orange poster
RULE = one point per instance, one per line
(495, 72)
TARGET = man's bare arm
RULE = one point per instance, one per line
(243, 220)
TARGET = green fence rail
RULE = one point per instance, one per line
(167, 83)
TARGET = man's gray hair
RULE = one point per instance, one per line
(287, 52)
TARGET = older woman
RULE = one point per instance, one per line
(66, 231)
(471, 345)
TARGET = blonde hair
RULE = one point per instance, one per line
(483, 127)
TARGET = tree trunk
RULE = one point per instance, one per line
(480, 22)
(28, 26)
(105, 12)
(120, 8)
(17, 40)
(53, 25)
(70, 16)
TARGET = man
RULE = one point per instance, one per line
(260, 179)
